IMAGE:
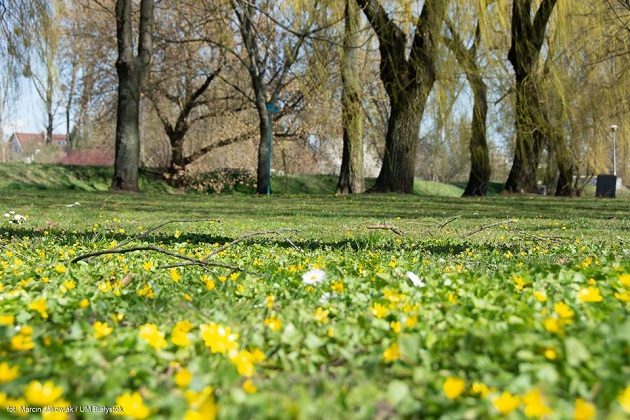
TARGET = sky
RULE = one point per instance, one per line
(25, 113)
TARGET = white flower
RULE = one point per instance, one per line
(448, 282)
(313, 277)
(324, 298)
(7, 215)
(415, 279)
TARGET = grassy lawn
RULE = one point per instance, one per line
(482, 307)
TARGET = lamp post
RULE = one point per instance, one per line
(614, 128)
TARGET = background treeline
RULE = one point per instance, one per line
(519, 91)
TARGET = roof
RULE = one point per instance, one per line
(29, 141)
(89, 157)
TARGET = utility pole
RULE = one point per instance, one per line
(614, 128)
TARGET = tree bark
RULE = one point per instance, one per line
(408, 81)
(527, 40)
(263, 180)
(351, 179)
(480, 170)
(131, 70)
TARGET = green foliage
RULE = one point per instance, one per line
(364, 342)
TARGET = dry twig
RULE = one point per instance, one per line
(488, 226)
(385, 226)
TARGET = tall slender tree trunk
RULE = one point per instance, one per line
(480, 170)
(351, 179)
(131, 70)
(263, 180)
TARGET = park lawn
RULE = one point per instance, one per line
(519, 307)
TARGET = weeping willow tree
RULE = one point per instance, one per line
(407, 70)
(586, 90)
(351, 179)
(527, 40)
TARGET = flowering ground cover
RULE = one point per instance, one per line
(376, 307)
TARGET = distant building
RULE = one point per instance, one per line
(32, 147)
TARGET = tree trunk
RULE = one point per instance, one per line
(527, 37)
(49, 126)
(480, 170)
(351, 179)
(401, 141)
(131, 70)
(263, 180)
(127, 130)
(407, 78)
(530, 139)
(178, 160)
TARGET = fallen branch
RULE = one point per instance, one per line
(488, 226)
(385, 226)
(153, 248)
(161, 225)
(248, 236)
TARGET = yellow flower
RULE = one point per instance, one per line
(84, 303)
(8, 373)
(148, 266)
(535, 405)
(208, 282)
(175, 275)
(624, 398)
(274, 324)
(202, 406)
(70, 284)
(179, 334)
(337, 287)
(249, 387)
(550, 354)
(481, 389)
(44, 394)
(396, 327)
(553, 325)
(452, 298)
(453, 387)
(624, 279)
(330, 332)
(183, 378)
(624, 297)
(153, 336)
(269, 301)
(147, 291)
(187, 297)
(391, 353)
(563, 310)
(506, 403)
(519, 282)
(104, 286)
(60, 268)
(244, 362)
(321, 315)
(101, 329)
(584, 410)
(7, 319)
(589, 294)
(218, 338)
(411, 321)
(39, 305)
(540, 296)
(22, 342)
(379, 310)
(132, 406)
(19, 404)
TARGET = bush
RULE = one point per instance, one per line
(219, 181)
